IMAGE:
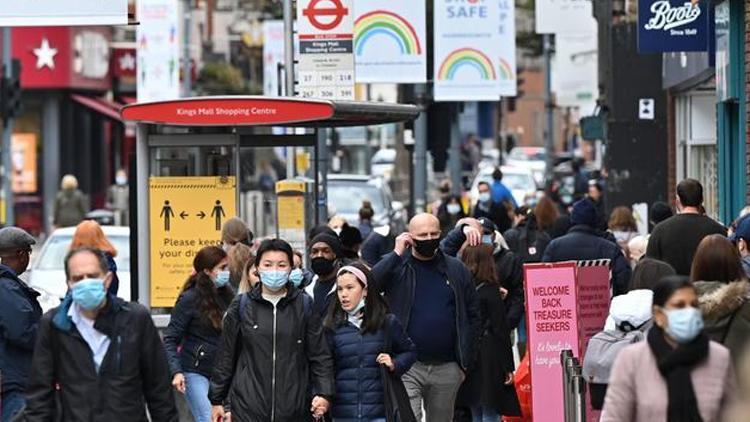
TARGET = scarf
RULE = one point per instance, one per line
(675, 366)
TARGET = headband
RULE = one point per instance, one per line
(354, 270)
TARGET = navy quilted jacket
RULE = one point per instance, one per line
(359, 389)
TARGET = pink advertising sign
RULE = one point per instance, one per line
(552, 325)
(593, 300)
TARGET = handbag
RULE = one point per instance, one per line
(397, 403)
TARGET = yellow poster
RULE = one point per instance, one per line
(185, 215)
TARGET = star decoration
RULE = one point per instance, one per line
(45, 55)
(127, 62)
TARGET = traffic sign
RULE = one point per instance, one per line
(326, 47)
(185, 215)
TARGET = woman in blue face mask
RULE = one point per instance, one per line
(274, 363)
(678, 374)
(363, 336)
(195, 324)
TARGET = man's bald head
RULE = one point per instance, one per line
(424, 226)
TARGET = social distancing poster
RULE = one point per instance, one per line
(185, 215)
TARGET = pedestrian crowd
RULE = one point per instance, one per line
(367, 324)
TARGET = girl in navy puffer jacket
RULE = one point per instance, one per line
(359, 329)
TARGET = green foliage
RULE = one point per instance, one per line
(531, 43)
(222, 78)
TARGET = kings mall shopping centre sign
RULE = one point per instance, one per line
(673, 25)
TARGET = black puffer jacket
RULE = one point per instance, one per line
(199, 338)
(268, 357)
(133, 375)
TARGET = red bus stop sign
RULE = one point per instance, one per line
(315, 11)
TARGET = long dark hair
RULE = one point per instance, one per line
(478, 259)
(375, 306)
(208, 294)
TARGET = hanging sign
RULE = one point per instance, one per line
(562, 16)
(672, 25)
(467, 50)
(390, 41)
(158, 51)
(507, 42)
(273, 55)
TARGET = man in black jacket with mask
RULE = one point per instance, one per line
(434, 297)
(104, 353)
(325, 261)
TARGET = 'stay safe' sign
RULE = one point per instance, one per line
(673, 25)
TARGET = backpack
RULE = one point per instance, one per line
(531, 244)
(600, 356)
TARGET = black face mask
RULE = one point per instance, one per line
(426, 248)
(322, 266)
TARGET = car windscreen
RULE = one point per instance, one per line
(54, 251)
(346, 198)
(518, 181)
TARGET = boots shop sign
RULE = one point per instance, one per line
(673, 25)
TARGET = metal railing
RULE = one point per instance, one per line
(574, 388)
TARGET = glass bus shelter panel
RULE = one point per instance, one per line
(260, 168)
(192, 161)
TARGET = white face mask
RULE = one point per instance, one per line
(453, 208)
(121, 180)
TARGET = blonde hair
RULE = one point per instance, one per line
(239, 255)
(69, 182)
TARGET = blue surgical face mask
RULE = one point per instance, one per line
(453, 208)
(274, 280)
(485, 197)
(685, 324)
(89, 293)
(487, 239)
(296, 277)
(222, 278)
(358, 308)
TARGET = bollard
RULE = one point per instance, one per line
(574, 388)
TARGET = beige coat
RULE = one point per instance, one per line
(638, 393)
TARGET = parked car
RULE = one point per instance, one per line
(47, 271)
(532, 158)
(383, 163)
(519, 180)
(347, 191)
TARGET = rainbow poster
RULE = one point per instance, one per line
(467, 50)
(389, 41)
(507, 84)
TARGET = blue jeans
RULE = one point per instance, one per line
(484, 414)
(196, 393)
(12, 402)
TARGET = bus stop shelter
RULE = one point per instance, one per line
(203, 160)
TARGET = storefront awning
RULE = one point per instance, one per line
(107, 108)
(266, 111)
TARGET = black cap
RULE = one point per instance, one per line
(331, 241)
(487, 225)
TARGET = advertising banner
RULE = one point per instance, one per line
(23, 162)
(64, 13)
(158, 51)
(672, 25)
(507, 42)
(467, 51)
(326, 49)
(390, 41)
(566, 304)
(273, 55)
(575, 71)
(562, 16)
(185, 215)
